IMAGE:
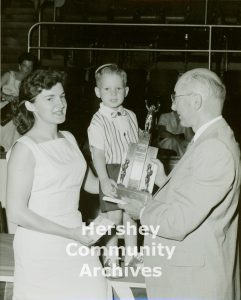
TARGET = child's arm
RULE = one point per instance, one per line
(91, 183)
(107, 185)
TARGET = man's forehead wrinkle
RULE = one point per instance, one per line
(181, 86)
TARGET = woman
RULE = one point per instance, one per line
(10, 82)
(45, 172)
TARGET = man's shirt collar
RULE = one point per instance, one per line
(204, 127)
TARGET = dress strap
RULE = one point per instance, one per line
(26, 141)
(69, 137)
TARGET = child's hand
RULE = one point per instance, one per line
(108, 187)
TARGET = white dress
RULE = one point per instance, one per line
(43, 269)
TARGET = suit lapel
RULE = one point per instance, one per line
(190, 148)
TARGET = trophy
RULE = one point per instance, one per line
(137, 172)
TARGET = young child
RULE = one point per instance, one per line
(111, 129)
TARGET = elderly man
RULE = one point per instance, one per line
(196, 206)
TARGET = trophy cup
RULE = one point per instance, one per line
(137, 172)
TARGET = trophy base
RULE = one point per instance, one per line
(138, 171)
(125, 192)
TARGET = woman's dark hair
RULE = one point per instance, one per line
(30, 88)
(29, 57)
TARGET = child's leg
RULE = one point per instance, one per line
(116, 217)
(130, 239)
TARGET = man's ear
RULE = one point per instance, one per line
(126, 90)
(97, 92)
(198, 101)
(29, 106)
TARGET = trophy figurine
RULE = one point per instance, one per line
(150, 116)
(137, 173)
(123, 170)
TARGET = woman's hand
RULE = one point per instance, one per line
(83, 236)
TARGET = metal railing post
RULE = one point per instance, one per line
(210, 48)
(206, 13)
(39, 34)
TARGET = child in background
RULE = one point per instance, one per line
(111, 130)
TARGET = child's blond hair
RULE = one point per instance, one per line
(110, 69)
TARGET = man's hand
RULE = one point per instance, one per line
(160, 174)
(132, 207)
(108, 187)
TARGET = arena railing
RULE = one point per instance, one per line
(209, 50)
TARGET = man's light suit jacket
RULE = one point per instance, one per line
(197, 210)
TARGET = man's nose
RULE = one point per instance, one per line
(173, 107)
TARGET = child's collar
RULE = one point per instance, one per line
(110, 112)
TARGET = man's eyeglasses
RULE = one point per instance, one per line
(174, 96)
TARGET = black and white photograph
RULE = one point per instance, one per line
(120, 136)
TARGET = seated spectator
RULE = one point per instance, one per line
(10, 83)
(172, 135)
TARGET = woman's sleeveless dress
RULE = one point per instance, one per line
(43, 269)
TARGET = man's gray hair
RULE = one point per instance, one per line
(207, 83)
